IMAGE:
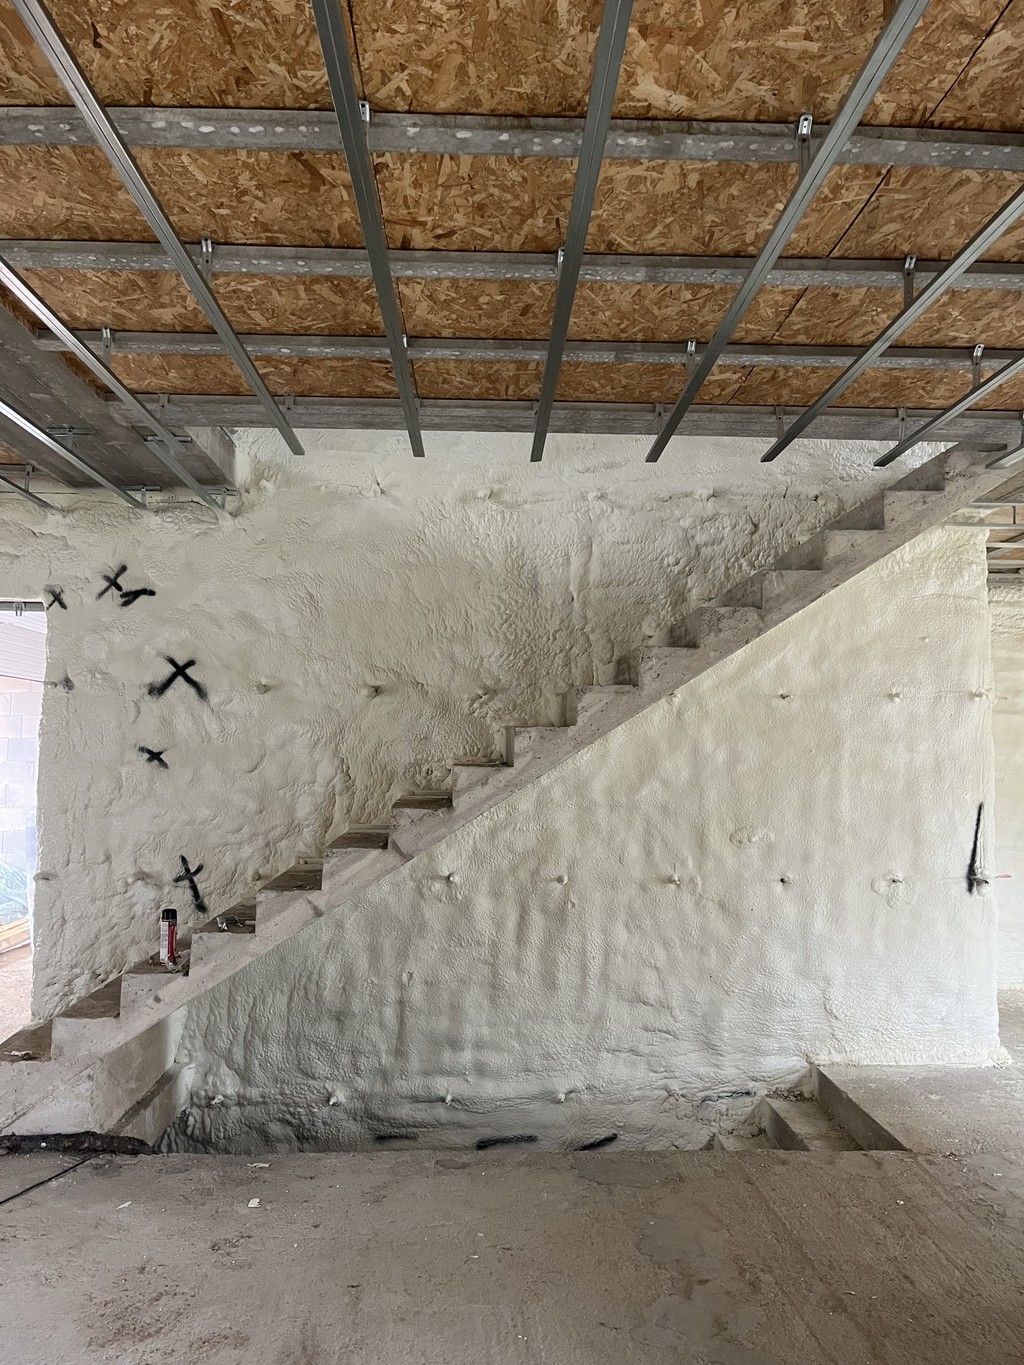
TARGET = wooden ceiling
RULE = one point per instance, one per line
(760, 61)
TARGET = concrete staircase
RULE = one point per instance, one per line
(98, 1060)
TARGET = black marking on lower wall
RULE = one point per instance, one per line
(154, 756)
(74, 1142)
(187, 876)
(395, 1137)
(56, 598)
(179, 671)
(974, 878)
(598, 1142)
(484, 1143)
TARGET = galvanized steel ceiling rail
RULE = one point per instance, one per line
(39, 23)
(866, 85)
(351, 124)
(611, 44)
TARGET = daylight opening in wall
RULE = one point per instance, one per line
(22, 663)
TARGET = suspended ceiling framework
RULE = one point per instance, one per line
(476, 112)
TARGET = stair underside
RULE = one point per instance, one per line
(355, 860)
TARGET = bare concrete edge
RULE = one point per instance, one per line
(865, 1130)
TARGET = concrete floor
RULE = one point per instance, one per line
(764, 1258)
(15, 990)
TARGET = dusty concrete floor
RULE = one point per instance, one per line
(15, 990)
(766, 1258)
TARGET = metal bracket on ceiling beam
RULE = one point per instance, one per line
(288, 402)
(660, 413)
(142, 490)
(206, 258)
(804, 124)
(976, 355)
(559, 258)
(691, 355)
(365, 112)
(68, 433)
(780, 421)
(902, 414)
(909, 267)
(106, 344)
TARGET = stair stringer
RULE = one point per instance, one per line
(839, 552)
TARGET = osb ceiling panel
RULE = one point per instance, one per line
(705, 59)
(933, 212)
(157, 301)
(218, 375)
(169, 52)
(854, 317)
(645, 383)
(724, 209)
(514, 379)
(478, 203)
(671, 312)
(512, 309)
(990, 92)
(874, 389)
(262, 198)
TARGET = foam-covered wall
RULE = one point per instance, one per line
(1007, 605)
(769, 867)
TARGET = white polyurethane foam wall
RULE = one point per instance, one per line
(767, 868)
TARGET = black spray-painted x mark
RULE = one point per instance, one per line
(188, 876)
(113, 581)
(154, 756)
(56, 599)
(180, 671)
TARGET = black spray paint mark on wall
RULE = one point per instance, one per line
(56, 598)
(187, 876)
(178, 671)
(133, 595)
(112, 581)
(154, 756)
(975, 880)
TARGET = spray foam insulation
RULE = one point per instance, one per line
(767, 60)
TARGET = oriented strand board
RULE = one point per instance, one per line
(157, 301)
(262, 198)
(515, 379)
(839, 317)
(933, 212)
(990, 91)
(217, 374)
(475, 203)
(702, 59)
(581, 382)
(170, 52)
(514, 309)
(874, 389)
(672, 312)
(945, 40)
(718, 209)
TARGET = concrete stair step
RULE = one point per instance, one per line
(591, 701)
(305, 875)
(533, 742)
(141, 982)
(731, 627)
(468, 775)
(29, 1044)
(89, 1022)
(414, 819)
(801, 1126)
(356, 859)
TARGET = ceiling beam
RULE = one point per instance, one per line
(316, 130)
(315, 347)
(885, 52)
(350, 110)
(612, 419)
(611, 43)
(61, 403)
(55, 49)
(345, 263)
